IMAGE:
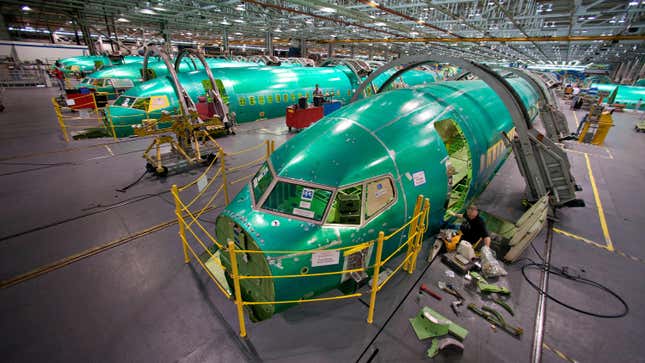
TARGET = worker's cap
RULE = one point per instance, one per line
(472, 207)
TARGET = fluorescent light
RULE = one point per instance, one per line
(147, 11)
(25, 8)
(159, 8)
(225, 22)
(123, 20)
(379, 24)
(239, 21)
(633, 3)
(327, 10)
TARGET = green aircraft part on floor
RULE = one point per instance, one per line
(358, 171)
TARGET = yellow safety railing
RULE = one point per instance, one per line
(70, 120)
(189, 225)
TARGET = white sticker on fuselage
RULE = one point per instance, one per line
(307, 194)
(419, 178)
(302, 212)
(325, 258)
(305, 205)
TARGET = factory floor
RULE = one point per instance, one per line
(88, 273)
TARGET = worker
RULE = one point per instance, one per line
(318, 97)
(59, 76)
(473, 229)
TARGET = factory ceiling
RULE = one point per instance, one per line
(580, 31)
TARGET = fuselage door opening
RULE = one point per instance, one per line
(459, 166)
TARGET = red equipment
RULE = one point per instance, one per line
(299, 118)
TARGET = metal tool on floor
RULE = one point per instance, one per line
(450, 290)
(495, 318)
(424, 288)
(455, 306)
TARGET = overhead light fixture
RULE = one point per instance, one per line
(327, 10)
(123, 20)
(373, 4)
(225, 22)
(159, 8)
(633, 3)
(147, 11)
(278, 30)
(25, 8)
(380, 23)
(239, 21)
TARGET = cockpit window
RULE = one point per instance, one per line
(298, 200)
(141, 103)
(261, 182)
(380, 193)
(86, 80)
(346, 208)
(125, 101)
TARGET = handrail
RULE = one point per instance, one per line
(416, 227)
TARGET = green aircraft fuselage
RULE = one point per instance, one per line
(118, 78)
(627, 95)
(252, 93)
(358, 171)
(89, 63)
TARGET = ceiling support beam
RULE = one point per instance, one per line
(573, 38)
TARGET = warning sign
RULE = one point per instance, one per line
(325, 258)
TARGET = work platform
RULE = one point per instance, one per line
(136, 300)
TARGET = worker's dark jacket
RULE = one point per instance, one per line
(473, 229)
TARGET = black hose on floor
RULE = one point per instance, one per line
(125, 189)
(559, 271)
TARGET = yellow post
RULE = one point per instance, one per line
(59, 118)
(224, 179)
(377, 270)
(411, 231)
(268, 150)
(418, 241)
(236, 286)
(180, 221)
(272, 146)
(96, 109)
(109, 117)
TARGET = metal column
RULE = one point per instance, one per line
(225, 49)
(268, 43)
(4, 32)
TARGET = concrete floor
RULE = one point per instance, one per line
(138, 301)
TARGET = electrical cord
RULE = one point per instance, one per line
(125, 189)
(563, 272)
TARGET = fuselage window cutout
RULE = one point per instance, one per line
(380, 193)
(346, 207)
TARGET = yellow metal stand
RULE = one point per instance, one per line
(375, 284)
